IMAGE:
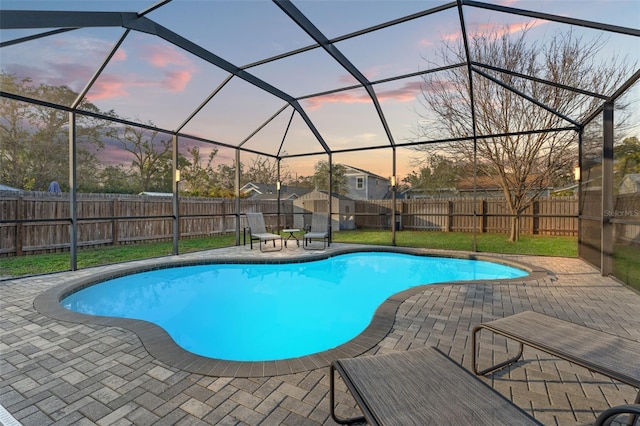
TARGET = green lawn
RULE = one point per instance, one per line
(55, 262)
(626, 266)
(495, 243)
(487, 243)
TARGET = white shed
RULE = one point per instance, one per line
(342, 210)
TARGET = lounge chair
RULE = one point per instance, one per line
(258, 231)
(420, 387)
(319, 230)
(426, 387)
(610, 355)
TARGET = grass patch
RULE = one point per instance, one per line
(56, 262)
(542, 245)
(487, 243)
(626, 266)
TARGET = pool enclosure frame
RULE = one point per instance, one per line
(133, 22)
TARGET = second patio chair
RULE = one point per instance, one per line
(258, 232)
(319, 230)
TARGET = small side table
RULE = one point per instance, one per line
(291, 231)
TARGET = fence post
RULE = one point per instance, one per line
(115, 212)
(483, 216)
(535, 220)
(19, 231)
(449, 216)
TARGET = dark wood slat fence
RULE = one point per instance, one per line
(547, 216)
(37, 222)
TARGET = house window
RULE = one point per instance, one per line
(359, 183)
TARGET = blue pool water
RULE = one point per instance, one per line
(260, 312)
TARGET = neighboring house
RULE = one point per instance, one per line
(263, 191)
(364, 185)
(630, 184)
(484, 186)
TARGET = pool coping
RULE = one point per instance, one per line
(162, 347)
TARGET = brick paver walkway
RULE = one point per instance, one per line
(61, 373)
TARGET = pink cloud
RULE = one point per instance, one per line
(478, 30)
(176, 81)
(437, 85)
(405, 93)
(106, 87)
(347, 79)
(120, 55)
(340, 97)
(162, 56)
(178, 68)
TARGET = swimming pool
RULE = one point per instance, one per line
(264, 312)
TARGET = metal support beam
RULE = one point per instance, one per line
(299, 18)
(23, 19)
(73, 210)
(330, 194)
(237, 195)
(394, 185)
(540, 80)
(95, 76)
(580, 195)
(554, 18)
(527, 97)
(34, 37)
(263, 125)
(278, 195)
(606, 246)
(176, 197)
(619, 92)
(467, 52)
(204, 103)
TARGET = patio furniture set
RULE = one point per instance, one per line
(319, 230)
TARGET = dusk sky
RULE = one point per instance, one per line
(150, 80)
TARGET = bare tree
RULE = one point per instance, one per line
(526, 163)
(265, 170)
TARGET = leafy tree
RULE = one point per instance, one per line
(226, 176)
(441, 173)
(197, 179)
(302, 181)
(152, 163)
(338, 177)
(626, 158)
(524, 164)
(34, 139)
(116, 180)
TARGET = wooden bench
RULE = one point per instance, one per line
(604, 353)
(421, 387)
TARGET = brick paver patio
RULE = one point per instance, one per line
(54, 372)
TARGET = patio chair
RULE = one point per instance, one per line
(420, 387)
(319, 230)
(258, 232)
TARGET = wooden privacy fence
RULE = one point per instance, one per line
(546, 216)
(38, 222)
